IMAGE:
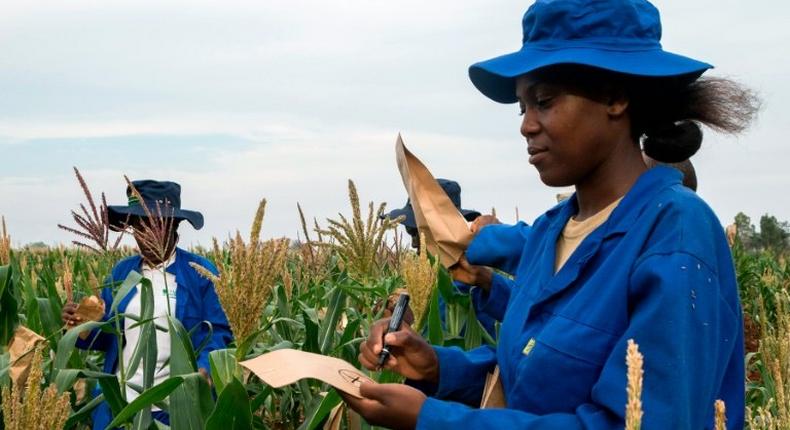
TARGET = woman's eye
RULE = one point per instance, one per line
(544, 102)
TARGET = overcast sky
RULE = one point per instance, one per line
(288, 99)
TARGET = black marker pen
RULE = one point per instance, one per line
(395, 322)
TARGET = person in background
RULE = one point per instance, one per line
(685, 167)
(178, 291)
(409, 223)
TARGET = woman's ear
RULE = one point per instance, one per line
(616, 100)
(617, 103)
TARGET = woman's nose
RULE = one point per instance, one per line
(529, 123)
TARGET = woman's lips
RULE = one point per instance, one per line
(536, 153)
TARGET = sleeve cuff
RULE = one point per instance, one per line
(463, 373)
(494, 301)
(434, 413)
(91, 341)
(427, 388)
(449, 374)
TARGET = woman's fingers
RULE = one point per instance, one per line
(395, 406)
(403, 339)
(376, 334)
(483, 221)
(366, 357)
(405, 346)
(363, 406)
(69, 316)
(373, 391)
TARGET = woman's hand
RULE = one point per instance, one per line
(482, 221)
(389, 307)
(410, 355)
(479, 276)
(69, 315)
(394, 406)
(204, 373)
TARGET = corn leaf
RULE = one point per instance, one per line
(112, 393)
(67, 342)
(9, 316)
(435, 333)
(191, 402)
(232, 411)
(335, 308)
(147, 398)
(316, 417)
(223, 368)
(311, 331)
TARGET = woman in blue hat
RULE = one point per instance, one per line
(177, 287)
(631, 255)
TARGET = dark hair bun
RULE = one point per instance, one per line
(673, 143)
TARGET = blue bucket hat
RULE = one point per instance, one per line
(156, 194)
(453, 191)
(621, 36)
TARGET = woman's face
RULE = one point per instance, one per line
(570, 133)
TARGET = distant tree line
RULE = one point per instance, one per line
(773, 236)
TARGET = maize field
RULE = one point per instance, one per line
(319, 294)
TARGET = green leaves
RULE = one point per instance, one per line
(315, 417)
(112, 394)
(435, 332)
(232, 411)
(191, 402)
(67, 342)
(9, 317)
(330, 317)
(66, 378)
(310, 319)
(146, 349)
(335, 308)
(147, 398)
(224, 368)
(127, 285)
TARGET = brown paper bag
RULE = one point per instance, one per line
(91, 308)
(286, 366)
(21, 350)
(446, 233)
(335, 417)
(493, 393)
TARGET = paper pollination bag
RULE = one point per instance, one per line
(286, 366)
(21, 349)
(447, 234)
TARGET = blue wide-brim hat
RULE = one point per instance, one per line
(453, 191)
(621, 36)
(162, 198)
